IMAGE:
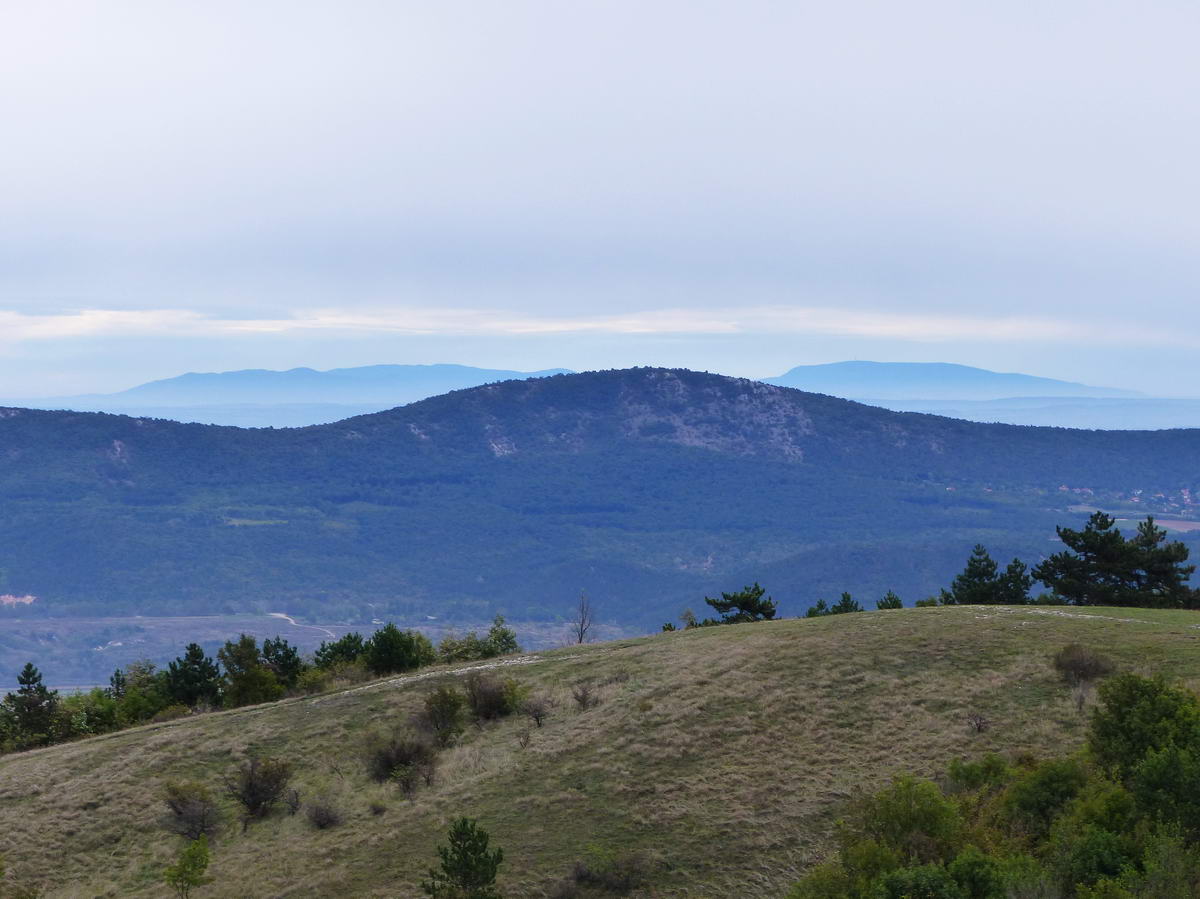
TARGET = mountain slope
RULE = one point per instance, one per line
(724, 754)
(648, 487)
(929, 380)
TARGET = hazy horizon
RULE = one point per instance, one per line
(733, 188)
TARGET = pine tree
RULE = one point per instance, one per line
(1101, 567)
(978, 581)
(31, 709)
(890, 601)
(745, 605)
(194, 678)
(345, 650)
(283, 659)
(468, 869)
(1012, 587)
(846, 604)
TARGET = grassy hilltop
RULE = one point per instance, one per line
(724, 753)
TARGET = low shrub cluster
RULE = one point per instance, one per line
(1118, 821)
(258, 785)
(499, 641)
(405, 759)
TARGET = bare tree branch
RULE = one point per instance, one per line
(583, 618)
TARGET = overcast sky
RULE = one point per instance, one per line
(737, 186)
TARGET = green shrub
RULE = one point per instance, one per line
(990, 771)
(1092, 853)
(391, 650)
(1166, 784)
(979, 875)
(404, 759)
(921, 882)
(192, 812)
(1039, 794)
(490, 698)
(1137, 715)
(611, 870)
(912, 817)
(188, 870)
(258, 785)
(442, 715)
(500, 640)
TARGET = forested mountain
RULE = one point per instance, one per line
(648, 487)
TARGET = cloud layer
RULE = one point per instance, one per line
(999, 183)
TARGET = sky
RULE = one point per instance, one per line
(737, 187)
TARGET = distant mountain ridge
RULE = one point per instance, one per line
(863, 380)
(301, 397)
(293, 398)
(648, 487)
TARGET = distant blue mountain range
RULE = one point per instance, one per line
(300, 396)
(930, 381)
(303, 396)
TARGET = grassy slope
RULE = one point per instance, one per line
(725, 752)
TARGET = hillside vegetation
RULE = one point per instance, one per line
(723, 754)
(646, 487)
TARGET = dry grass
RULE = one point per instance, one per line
(724, 753)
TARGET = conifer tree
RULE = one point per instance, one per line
(746, 604)
(194, 678)
(30, 710)
(468, 869)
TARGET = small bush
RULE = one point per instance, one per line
(990, 771)
(978, 723)
(322, 814)
(442, 715)
(191, 810)
(313, 680)
(258, 785)
(612, 871)
(405, 759)
(584, 694)
(928, 602)
(1038, 795)
(188, 870)
(170, 713)
(377, 808)
(536, 708)
(490, 698)
(291, 798)
(1078, 664)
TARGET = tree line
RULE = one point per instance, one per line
(1099, 567)
(243, 673)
